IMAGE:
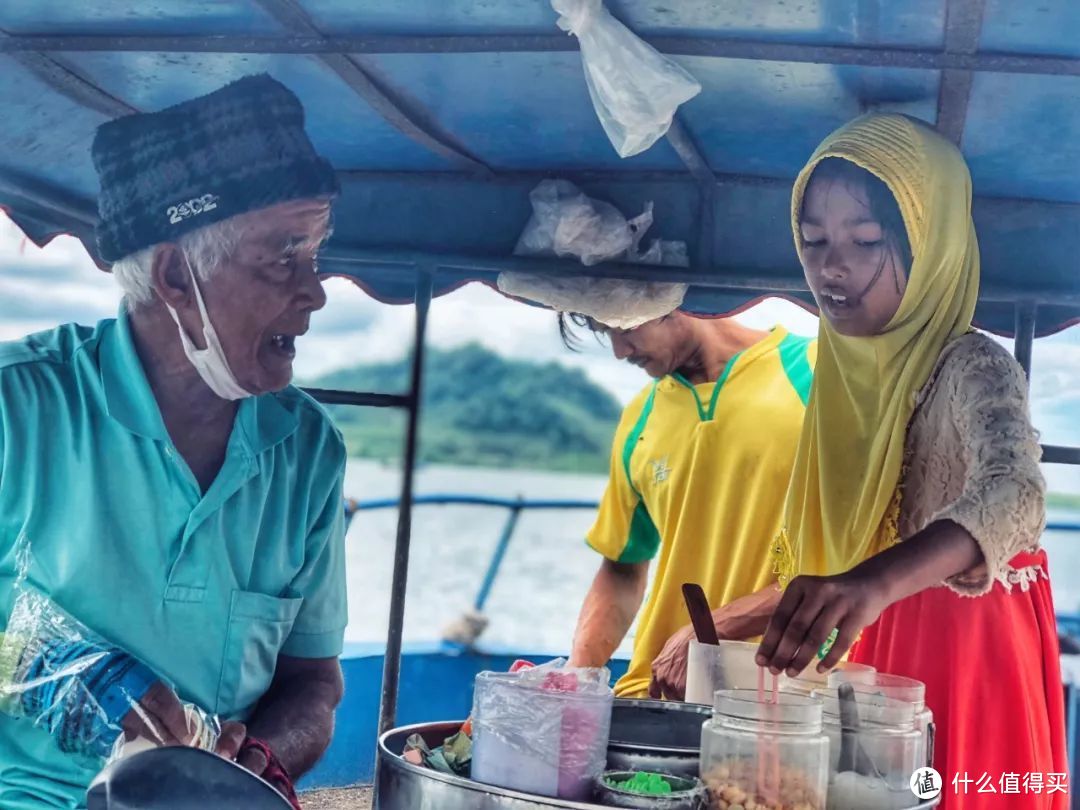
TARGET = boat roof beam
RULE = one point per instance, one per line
(69, 82)
(963, 26)
(359, 44)
(408, 122)
(394, 263)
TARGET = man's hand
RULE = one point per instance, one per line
(232, 737)
(295, 718)
(669, 667)
(811, 608)
(159, 717)
(253, 760)
(745, 617)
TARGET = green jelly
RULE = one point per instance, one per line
(651, 784)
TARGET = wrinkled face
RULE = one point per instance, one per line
(852, 266)
(261, 300)
(659, 347)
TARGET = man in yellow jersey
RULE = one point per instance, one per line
(699, 470)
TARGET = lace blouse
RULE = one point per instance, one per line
(972, 457)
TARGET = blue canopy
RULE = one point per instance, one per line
(442, 115)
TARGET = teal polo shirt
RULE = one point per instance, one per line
(209, 588)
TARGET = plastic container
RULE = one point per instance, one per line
(727, 665)
(884, 748)
(731, 665)
(764, 754)
(899, 688)
(536, 739)
(845, 672)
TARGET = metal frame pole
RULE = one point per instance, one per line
(392, 661)
(1025, 334)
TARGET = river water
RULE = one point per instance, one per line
(546, 572)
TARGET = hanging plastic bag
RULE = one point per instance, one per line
(568, 224)
(635, 89)
(62, 677)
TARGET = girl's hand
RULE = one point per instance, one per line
(811, 608)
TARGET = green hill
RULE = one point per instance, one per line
(483, 409)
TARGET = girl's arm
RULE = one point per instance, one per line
(1002, 505)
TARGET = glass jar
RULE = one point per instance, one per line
(900, 688)
(756, 753)
(873, 751)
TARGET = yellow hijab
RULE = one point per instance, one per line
(844, 500)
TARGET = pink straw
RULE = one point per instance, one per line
(773, 749)
(768, 758)
(760, 752)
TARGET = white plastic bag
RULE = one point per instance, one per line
(568, 224)
(634, 88)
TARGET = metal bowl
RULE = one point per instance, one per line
(656, 735)
(686, 794)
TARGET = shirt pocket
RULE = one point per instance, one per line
(259, 624)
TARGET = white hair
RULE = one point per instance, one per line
(206, 249)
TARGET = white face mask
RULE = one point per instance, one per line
(210, 362)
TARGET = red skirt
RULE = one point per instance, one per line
(993, 681)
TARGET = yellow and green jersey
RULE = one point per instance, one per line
(699, 474)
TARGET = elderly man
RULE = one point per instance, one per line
(176, 495)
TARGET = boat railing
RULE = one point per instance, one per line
(467, 630)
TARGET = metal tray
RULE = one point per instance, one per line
(402, 786)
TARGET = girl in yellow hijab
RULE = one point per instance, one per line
(916, 503)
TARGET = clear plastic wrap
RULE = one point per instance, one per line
(635, 89)
(62, 677)
(568, 224)
(542, 730)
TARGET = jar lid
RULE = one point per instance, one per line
(875, 710)
(896, 687)
(779, 708)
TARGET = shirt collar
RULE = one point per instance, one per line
(128, 397)
(264, 420)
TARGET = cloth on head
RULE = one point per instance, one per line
(613, 302)
(844, 499)
(235, 150)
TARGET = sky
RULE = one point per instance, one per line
(43, 287)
